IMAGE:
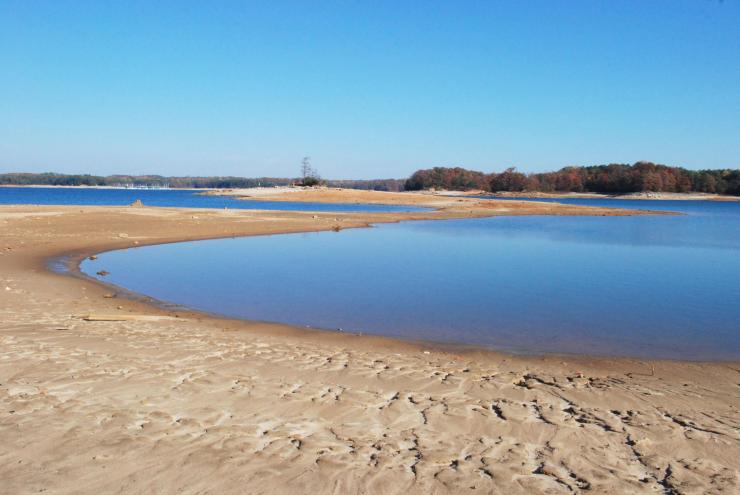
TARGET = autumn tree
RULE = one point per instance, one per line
(509, 180)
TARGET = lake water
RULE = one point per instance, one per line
(179, 198)
(648, 286)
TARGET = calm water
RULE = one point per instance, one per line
(168, 197)
(661, 287)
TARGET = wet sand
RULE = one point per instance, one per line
(100, 393)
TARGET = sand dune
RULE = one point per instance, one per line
(179, 402)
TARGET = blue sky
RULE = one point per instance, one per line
(367, 89)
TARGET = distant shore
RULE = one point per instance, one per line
(655, 196)
(324, 194)
(47, 186)
(285, 193)
(104, 391)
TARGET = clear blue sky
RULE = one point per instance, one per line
(367, 89)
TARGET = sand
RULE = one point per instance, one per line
(336, 195)
(442, 197)
(100, 393)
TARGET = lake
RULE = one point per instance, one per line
(645, 286)
(179, 198)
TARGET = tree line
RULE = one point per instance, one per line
(54, 179)
(615, 178)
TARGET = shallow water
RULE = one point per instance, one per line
(647, 286)
(179, 198)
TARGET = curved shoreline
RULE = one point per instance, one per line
(76, 256)
(433, 204)
(73, 268)
(170, 400)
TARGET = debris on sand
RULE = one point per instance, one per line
(125, 317)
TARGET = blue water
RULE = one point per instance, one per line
(646, 286)
(172, 198)
(692, 207)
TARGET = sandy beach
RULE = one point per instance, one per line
(376, 197)
(104, 393)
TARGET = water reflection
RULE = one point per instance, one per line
(648, 286)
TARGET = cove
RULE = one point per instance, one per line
(644, 286)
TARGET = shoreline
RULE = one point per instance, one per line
(74, 257)
(640, 196)
(167, 398)
(325, 194)
(72, 268)
(72, 261)
(279, 193)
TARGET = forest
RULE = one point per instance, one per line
(615, 178)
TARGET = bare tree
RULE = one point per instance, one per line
(308, 173)
(306, 170)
